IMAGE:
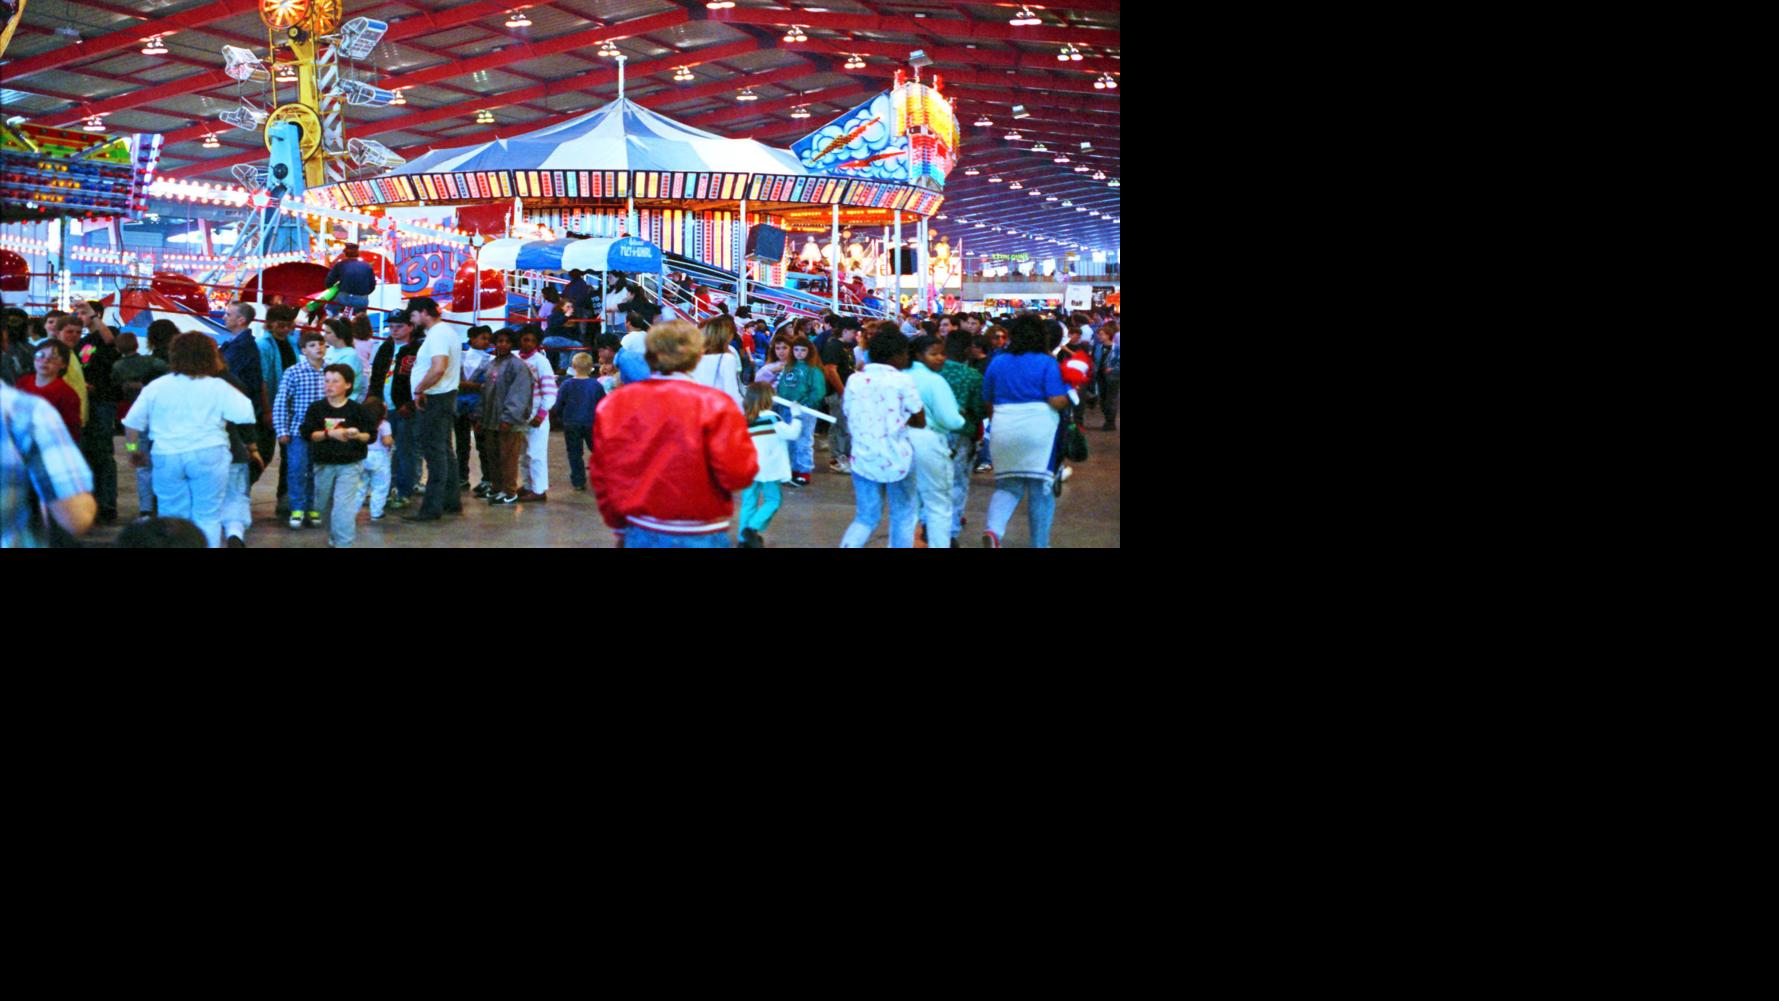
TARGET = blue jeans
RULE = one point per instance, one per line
(868, 496)
(759, 502)
(433, 431)
(301, 475)
(145, 477)
(237, 507)
(963, 462)
(357, 302)
(1040, 507)
(407, 453)
(803, 449)
(574, 439)
(190, 485)
(636, 537)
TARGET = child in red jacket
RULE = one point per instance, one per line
(668, 453)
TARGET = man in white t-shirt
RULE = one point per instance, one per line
(437, 369)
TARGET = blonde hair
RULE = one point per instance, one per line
(582, 362)
(674, 346)
(758, 399)
(719, 332)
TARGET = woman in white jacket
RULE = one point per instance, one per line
(772, 438)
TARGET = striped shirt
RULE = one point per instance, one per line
(543, 383)
(302, 385)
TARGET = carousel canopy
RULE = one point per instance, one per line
(619, 136)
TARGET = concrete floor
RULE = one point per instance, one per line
(816, 516)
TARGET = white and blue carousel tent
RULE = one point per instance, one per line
(621, 135)
(626, 254)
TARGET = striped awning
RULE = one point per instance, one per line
(619, 136)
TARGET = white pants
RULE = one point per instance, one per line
(376, 478)
(536, 469)
(932, 478)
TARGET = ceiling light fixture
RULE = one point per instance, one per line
(287, 73)
(155, 46)
(484, 117)
(1099, 175)
(1113, 183)
(1069, 54)
(994, 180)
(94, 124)
(518, 20)
(1082, 168)
(398, 98)
(1016, 186)
(1024, 18)
(683, 74)
(971, 171)
(720, 4)
(800, 111)
(747, 95)
(984, 123)
(1105, 82)
(608, 49)
(1040, 148)
(855, 62)
(1061, 158)
(796, 34)
(211, 142)
(1014, 137)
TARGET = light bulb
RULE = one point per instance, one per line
(154, 47)
(747, 95)
(984, 123)
(720, 4)
(211, 142)
(94, 124)
(971, 171)
(1013, 137)
(684, 74)
(994, 180)
(800, 112)
(518, 20)
(1081, 169)
(1113, 183)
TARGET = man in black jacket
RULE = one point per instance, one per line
(391, 371)
(357, 281)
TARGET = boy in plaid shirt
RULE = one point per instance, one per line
(303, 384)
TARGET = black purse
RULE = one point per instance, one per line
(1075, 444)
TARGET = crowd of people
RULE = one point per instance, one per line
(674, 418)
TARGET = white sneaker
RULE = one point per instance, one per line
(296, 520)
(1067, 471)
